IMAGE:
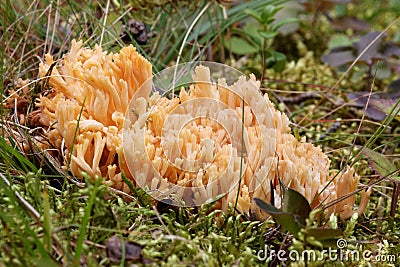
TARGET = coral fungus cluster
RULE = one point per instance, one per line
(211, 138)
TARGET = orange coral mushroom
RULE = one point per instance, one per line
(215, 138)
(92, 93)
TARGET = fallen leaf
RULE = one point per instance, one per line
(360, 100)
(115, 253)
(338, 58)
(386, 105)
(322, 5)
(350, 22)
(372, 52)
(391, 49)
(394, 88)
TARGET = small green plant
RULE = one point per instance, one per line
(257, 38)
(295, 216)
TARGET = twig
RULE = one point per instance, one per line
(56, 22)
(104, 21)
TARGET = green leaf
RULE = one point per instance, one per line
(266, 206)
(339, 40)
(256, 15)
(295, 203)
(295, 210)
(340, 10)
(286, 220)
(268, 14)
(240, 46)
(282, 22)
(79, 248)
(289, 222)
(381, 71)
(267, 34)
(291, 9)
(396, 37)
(324, 234)
(383, 166)
(270, 61)
(215, 199)
(280, 61)
(250, 30)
